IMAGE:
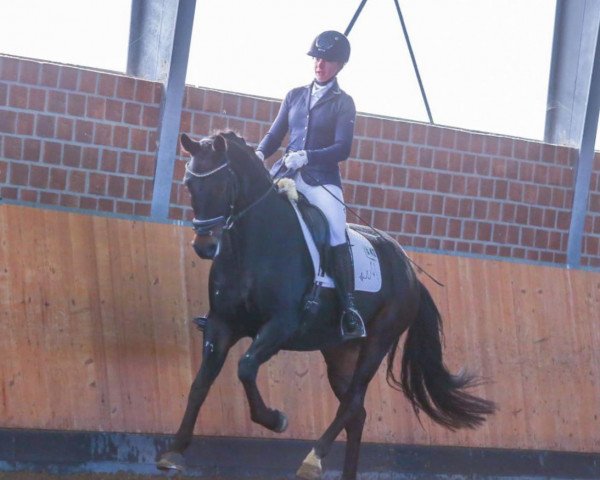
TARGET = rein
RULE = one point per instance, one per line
(206, 227)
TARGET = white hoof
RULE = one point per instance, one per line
(311, 467)
(283, 422)
(171, 461)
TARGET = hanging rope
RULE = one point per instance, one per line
(414, 61)
(356, 14)
(410, 50)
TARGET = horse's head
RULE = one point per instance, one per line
(211, 184)
(219, 177)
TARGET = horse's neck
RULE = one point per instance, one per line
(267, 226)
(253, 184)
(265, 244)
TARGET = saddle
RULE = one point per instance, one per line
(315, 229)
(318, 226)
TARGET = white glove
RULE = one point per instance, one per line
(260, 155)
(295, 160)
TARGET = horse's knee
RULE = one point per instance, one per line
(213, 358)
(247, 369)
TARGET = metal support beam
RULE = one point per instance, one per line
(574, 101)
(161, 31)
(585, 161)
(573, 54)
(151, 38)
(171, 109)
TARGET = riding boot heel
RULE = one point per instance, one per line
(351, 322)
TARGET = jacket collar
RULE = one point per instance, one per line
(329, 95)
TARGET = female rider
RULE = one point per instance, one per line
(320, 120)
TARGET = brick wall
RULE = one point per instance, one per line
(77, 138)
(591, 240)
(87, 139)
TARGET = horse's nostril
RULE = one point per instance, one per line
(198, 250)
(206, 252)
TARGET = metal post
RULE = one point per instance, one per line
(573, 53)
(171, 109)
(585, 161)
(151, 38)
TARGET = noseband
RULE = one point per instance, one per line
(206, 227)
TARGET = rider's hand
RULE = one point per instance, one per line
(296, 160)
(260, 155)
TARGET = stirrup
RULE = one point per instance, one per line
(358, 329)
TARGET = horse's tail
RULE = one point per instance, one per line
(425, 380)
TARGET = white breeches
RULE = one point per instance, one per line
(334, 211)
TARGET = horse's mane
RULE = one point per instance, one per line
(232, 136)
(239, 151)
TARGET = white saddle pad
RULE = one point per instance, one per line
(367, 271)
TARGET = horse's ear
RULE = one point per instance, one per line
(189, 145)
(219, 144)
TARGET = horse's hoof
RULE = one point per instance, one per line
(310, 468)
(171, 461)
(282, 424)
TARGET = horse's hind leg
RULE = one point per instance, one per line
(354, 430)
(350, 413)
(341, 363)
(266, 344)
(218, 341)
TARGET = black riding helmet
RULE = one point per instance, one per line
(331, 46)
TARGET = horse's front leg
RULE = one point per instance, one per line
(218, 341)
(266, 344)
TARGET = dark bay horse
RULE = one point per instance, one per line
(259, 278)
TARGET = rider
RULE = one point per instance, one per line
(320, 120)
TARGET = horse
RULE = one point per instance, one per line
(258, 282)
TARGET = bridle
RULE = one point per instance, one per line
(207, 227)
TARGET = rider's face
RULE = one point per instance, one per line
(325, 70)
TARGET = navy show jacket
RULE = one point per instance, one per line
(324, 131)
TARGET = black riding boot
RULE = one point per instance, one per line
(352, 324)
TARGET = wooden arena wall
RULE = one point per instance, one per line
(95, 334)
